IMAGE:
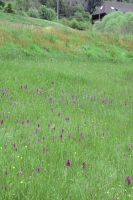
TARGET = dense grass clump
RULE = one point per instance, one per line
(66, 128)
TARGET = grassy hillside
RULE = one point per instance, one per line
(35, 36)
(66, 107)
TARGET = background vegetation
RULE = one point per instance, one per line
(116, 22)
(75, 14)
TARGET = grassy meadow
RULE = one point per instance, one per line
(66, 110)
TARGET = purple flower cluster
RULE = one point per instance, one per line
(128, 179)
(68, 163)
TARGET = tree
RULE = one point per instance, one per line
(46, 13)
(23, 5)
(33, 12)
(43, 2)
(8, 8)
(92, 4)
(2, 4)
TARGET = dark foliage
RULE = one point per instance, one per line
(8, 8)
(2, 3)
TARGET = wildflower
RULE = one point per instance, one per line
(43, 137)
(68, 163)
(72, 96)
(74, 101)
(45, 149)
(63, 130)
(53, 137)
(104, 101)
(5, 187)
(61, 135)
(16, 120)
(28, 120)
(48, 124)
(36, 130)
(14, 144)
(14, 103)
(2, 121)
(6, 172)
(81, 135)
(20, 172)
(128, 179)
(67, 118)
(50, 99)
(38, 169)
(52, 109)
(21, 182)
(53, 127)
(59, 114)
(22, 122)
(25, 86)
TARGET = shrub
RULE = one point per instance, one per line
(78, 16)
(111, 26)
(8, 8)
(84, 26)
(46, 13)
(74, 24)
(77, 8)
(64, 21)
(97, 26)
(126, 24)
(115, 22)
(33, 12)
(114, 15)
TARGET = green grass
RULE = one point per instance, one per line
(94, 92)
(25, 20)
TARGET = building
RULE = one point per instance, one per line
(111, 6)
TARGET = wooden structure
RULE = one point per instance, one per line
(111, 6)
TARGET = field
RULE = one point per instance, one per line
(66, 109)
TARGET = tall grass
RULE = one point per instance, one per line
(66, 128)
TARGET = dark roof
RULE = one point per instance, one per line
(118, 6)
